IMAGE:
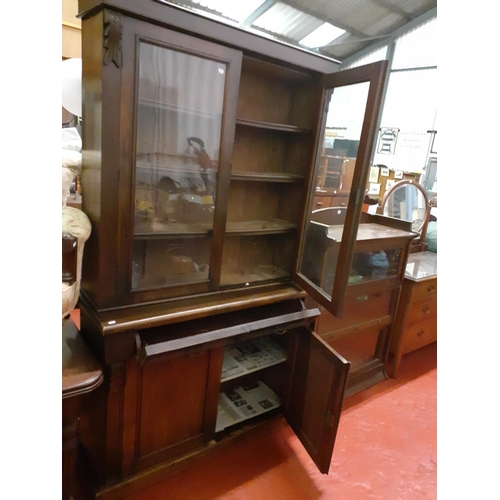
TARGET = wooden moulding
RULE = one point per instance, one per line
(158, 314)
(184, 20)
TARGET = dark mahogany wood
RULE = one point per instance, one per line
(161, 344)
(81, 374)
(312, 409)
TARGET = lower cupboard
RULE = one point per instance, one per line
(190, 386)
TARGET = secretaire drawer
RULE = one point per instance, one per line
(420, 334)
(425, 290)
(422, 309)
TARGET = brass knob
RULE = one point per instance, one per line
(431, 288)
(420, 333)
(426, 310)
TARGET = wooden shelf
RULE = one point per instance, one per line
(258, 274)
(251, 356)
(188, 168)
(282, 127)
(257, 227)
(166, 230)
(266, 177)
(152, 103)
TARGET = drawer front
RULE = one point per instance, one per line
(425, 290)
(339, 201)
(359, 348)
(420, 334)
(421, 310)
(321, 202)
(362, 308)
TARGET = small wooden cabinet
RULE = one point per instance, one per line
(362, 333)
(416, 321)
(200, 168)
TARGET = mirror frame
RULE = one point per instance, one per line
(423, 227)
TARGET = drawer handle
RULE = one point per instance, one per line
(431, 288)
(420, 333)
(319, 203)
(426, 310)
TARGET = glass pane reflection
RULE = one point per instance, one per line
(407, 202)
(179, 119)
(333, 181)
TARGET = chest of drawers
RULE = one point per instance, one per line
(415, 324)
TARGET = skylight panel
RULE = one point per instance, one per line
(322, 36)
(285, 20)
(237, 11)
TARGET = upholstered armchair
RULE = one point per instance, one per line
(75, 232)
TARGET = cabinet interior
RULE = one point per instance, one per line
(176, 186)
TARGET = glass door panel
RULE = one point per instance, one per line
(337, 162)
(352, 105)
(179, 122)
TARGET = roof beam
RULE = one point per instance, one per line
(317, 15)
(394, 9)
(426, 16)
(258, 12)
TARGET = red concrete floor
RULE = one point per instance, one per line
(385, 449)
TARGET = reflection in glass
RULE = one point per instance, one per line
(407, 202)
(368, 266)
(180, 104)
(333, 181)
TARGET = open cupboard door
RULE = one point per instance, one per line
(352, 100)
(316, 394)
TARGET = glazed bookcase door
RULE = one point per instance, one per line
(184, 127)
(352, 104)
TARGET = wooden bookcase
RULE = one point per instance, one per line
(200, 167)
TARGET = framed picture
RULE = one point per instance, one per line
(389, 184)
(387, 140)
(374, 171)
(384, 171)
(374, 188)
(398, 174)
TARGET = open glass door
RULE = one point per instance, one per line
(348, 129)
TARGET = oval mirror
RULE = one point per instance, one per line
(407, 200)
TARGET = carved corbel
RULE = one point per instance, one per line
(112, 38)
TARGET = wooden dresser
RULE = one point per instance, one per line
(416, 319)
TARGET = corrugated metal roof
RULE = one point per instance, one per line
(288, 21)
(366, 21)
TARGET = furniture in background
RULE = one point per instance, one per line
(334, 179)
(407, 200)
(386, 182)
(76, 229)
(81, 374)
(199, 179)
(361, 335)
(415, 324)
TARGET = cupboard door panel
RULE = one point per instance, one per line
(172, 412)
(316, 393)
